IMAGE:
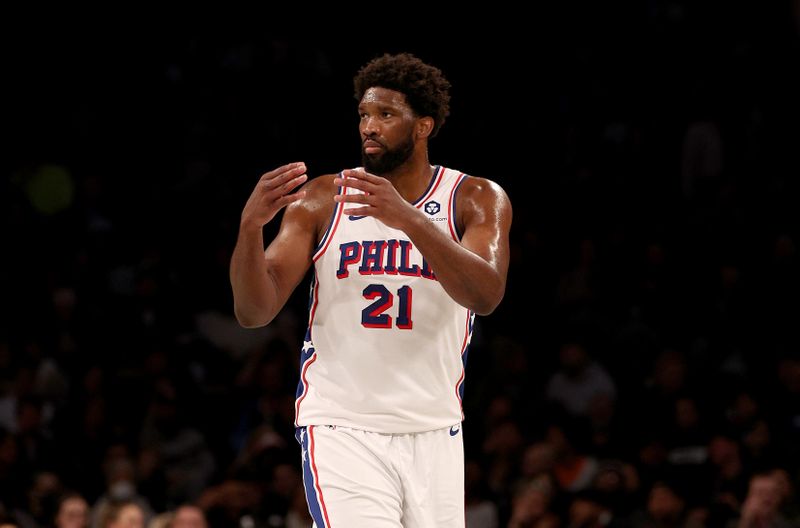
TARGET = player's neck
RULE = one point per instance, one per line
(412, 177)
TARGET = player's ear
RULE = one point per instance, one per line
(424, 127)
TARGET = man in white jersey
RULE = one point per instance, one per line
(405, 253)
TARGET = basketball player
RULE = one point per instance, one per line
(405, 253)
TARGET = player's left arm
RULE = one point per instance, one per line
(473, 272)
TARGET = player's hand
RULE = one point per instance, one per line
(272, 193)
(381, 201)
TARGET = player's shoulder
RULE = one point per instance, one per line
(476, 188)
(321, 185)
(319, 193)
(317, 204)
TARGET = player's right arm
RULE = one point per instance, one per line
(263, 280)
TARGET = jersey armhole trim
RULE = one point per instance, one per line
(436, 179)
(454, 231)
(332, 225)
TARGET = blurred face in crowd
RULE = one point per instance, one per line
(73, 513)
(531, 503)
(765, 492)
(784, 483)
(723, 450)
(189, 517)
(538, 458)
(664, 504)
(129, 516)
(584, 512)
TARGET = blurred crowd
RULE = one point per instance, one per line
(643, 370)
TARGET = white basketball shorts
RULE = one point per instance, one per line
(356, 478)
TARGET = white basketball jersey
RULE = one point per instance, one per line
(386, 346)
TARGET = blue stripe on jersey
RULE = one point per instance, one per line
(330, 222)
(465, 354)
(453, 211)
(436, 170)
(314, 507)
(311, 294)
(305, 355)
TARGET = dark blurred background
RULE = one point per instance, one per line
(643, 369)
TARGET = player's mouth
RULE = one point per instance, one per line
(372, 147)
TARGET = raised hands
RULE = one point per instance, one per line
(272, 193)
(381, 201)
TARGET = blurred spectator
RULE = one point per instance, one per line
(231, 502)
(37, 412)
(188, 516)
(729, 485)
(587, 511)
(122, 515)
(785, 406)
(702, 160)
(574, 469)
(530, 506)
(790, 502)
(121, 481)
(41, 501)
(609, 438)
(579, 381)
(34, 440)
(298, 516)
(538, 459)
(480, 512)
(667, 383)
(72, 512)
(502, 448)
(162, 520)
(758, 445)
(615, 487)
(665, 508)
(761, 508)
(187, 462)
(576, 287)
(742, 412)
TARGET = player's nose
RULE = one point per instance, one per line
(370, 127)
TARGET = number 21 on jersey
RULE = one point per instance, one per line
(373, 316)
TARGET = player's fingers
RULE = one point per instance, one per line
(361, 174)
(286, 186)
(280, 179)
(295, 168)
(354, 183)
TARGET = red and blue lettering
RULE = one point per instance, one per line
(350, 254)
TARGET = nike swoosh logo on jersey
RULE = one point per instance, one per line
(351, 217)
(454, 430)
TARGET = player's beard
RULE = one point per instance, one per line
(389, 159)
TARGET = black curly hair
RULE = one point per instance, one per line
(425, 88)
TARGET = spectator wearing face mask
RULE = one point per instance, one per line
(121, 488)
